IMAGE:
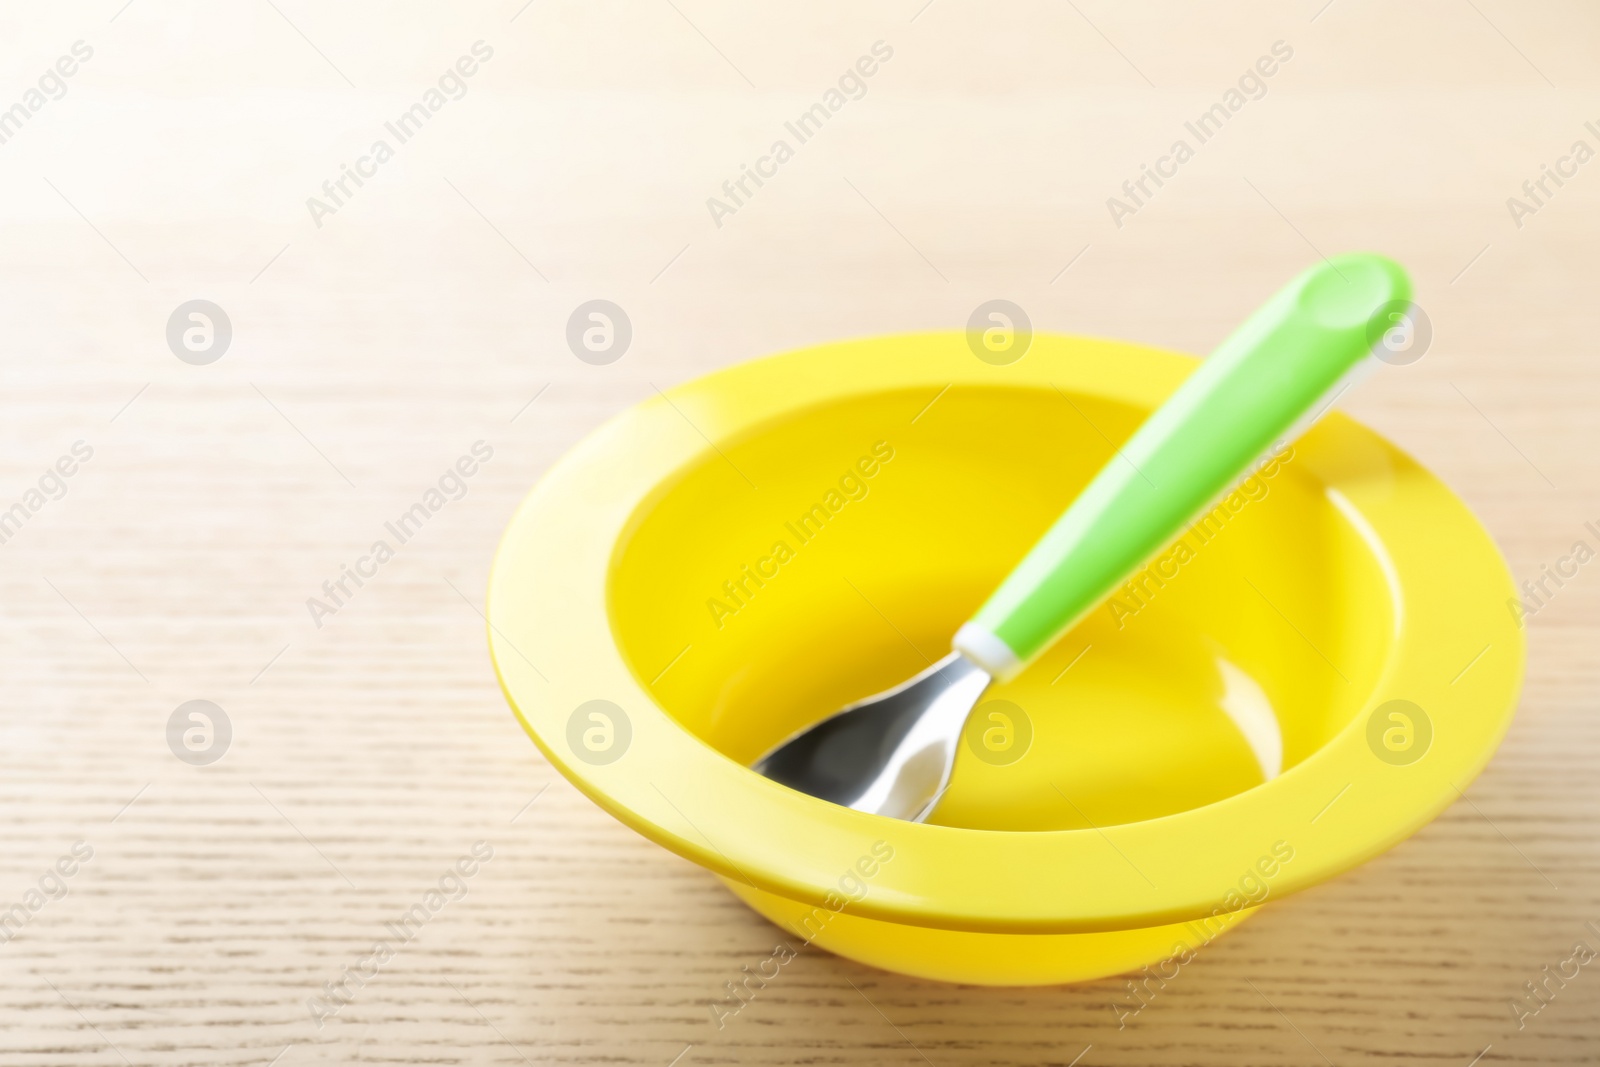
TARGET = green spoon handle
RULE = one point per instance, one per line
(1264, 384)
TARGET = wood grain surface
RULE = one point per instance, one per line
(373, 344)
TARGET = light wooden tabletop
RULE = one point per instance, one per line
(173, 913)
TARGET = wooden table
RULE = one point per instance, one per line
(375, 339)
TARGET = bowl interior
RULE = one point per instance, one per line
(825, 555)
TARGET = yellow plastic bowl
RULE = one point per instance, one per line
(717, 567)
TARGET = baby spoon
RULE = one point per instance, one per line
(892, 753)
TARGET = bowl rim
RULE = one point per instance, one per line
(1335, 809)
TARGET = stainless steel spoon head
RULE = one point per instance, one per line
(890, 754)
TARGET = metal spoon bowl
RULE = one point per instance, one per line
(892, 753)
